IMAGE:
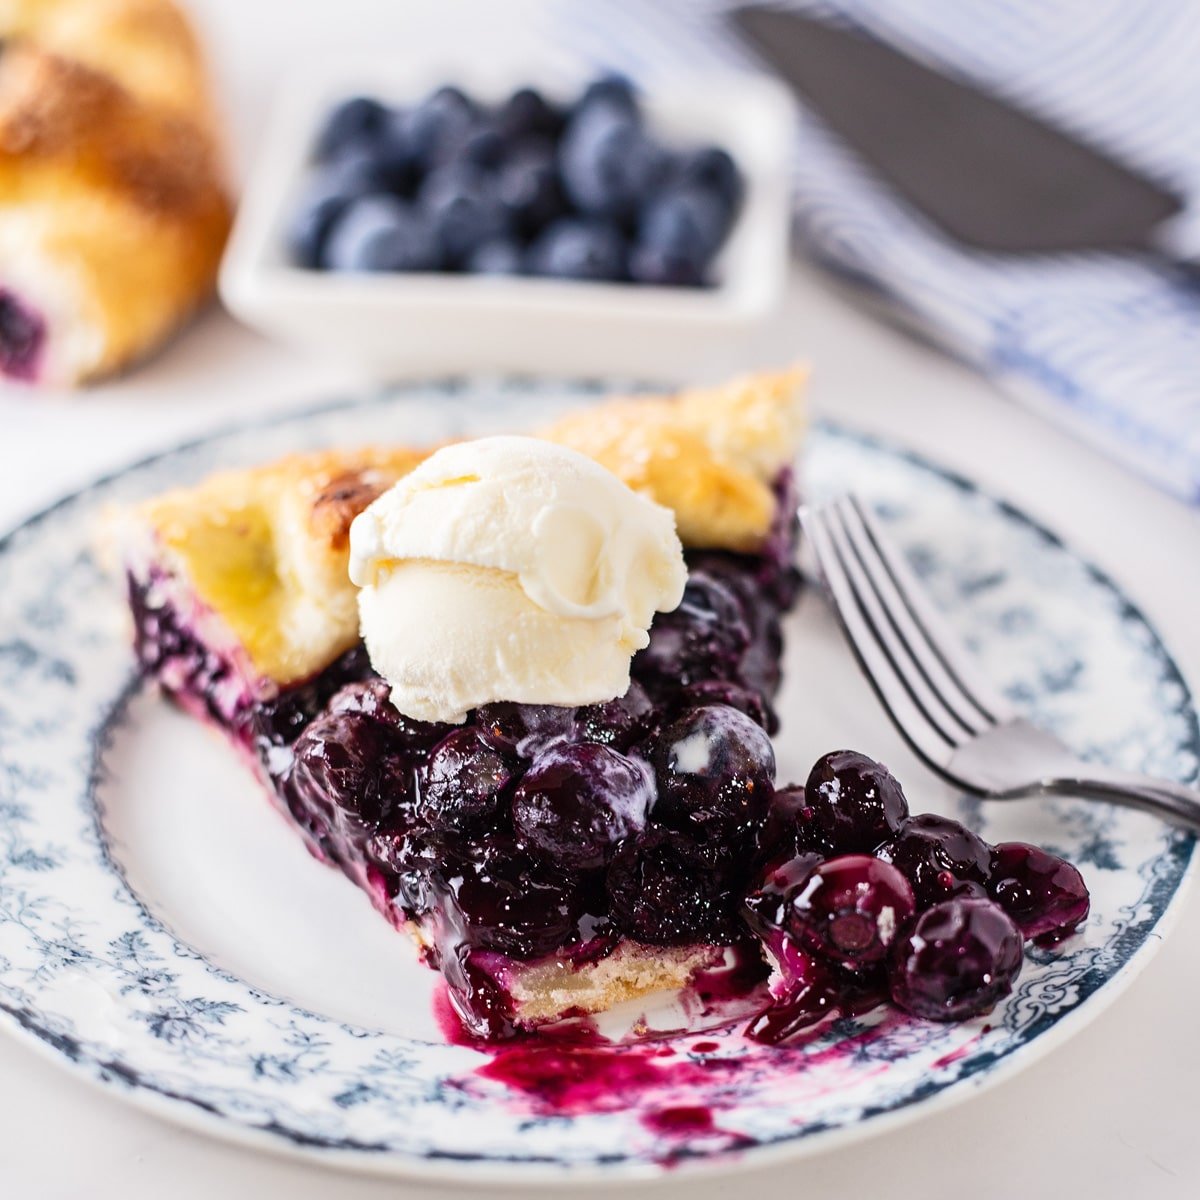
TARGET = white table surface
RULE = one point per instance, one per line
(1111, 1114)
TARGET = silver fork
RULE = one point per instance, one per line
(956, 720)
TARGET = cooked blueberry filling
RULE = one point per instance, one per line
(22, 336)
(534, 830)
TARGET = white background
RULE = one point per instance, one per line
(1113, 1113)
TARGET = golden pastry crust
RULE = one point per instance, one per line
(111, 192)
(266, 548)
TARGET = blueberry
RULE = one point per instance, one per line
(957, 961)
(612, 92)
(527, 185)
(722, 691)
(679, 232)
(578, 249)
(621, 722)
(936, 854)
(357, 119)
(345, 759)
(313, 219)
(1044, 894)
(439, 125)
(704, 638)
(575, 803)
(715, 769)
(854, 804)
(528, 112)
(485, 145)
(850, 910)
(508, 903)
(462, 208)
(609, 166)
(712, 170)
(527, 729)
(659, 894)
(499, 256)
(380, 233)
(769, 897)
(462, 782)
(372, 697)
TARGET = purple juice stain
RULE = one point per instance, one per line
(22, 338)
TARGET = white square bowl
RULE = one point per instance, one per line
(398, 324)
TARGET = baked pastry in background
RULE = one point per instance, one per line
(113, 210)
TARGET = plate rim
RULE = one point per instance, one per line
(188, 1112)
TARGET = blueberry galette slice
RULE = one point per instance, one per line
(548, 858)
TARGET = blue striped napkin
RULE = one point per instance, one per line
(1105, 344)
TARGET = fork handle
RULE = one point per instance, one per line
(1176, 802)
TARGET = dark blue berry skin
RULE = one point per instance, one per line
(938, 855)
(506, 901)
(579, 249)
(684, 219)
(715, 769)
(1044, 894)
(960, 957)
(380, 233)
(853, 804)
(499, 256)
(463, 210)
(577, 802)
(313, 220)
(527, 185)
(439, 125)
(358, 119)
(850, 910)
(462, 783)
(613, 92)
(528, 113)
(609, 166)
(712, 170)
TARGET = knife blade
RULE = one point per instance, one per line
(987, 173)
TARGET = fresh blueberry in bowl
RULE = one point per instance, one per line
(613, 92)
(313, 219)
(497, 256)
(712, 170)
(609, 164)
(440, 124)
(528, 186)
(528, 113)
(355, 120)
(380, 233)
(460, 203)
(573, 248)
(679, 232)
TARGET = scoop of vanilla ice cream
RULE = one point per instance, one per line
(508, 568)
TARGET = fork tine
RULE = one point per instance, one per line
(895, 607)
(954, 656)
(924, 737)
(886, 634)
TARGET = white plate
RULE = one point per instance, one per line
(165, 933)
(406, 324)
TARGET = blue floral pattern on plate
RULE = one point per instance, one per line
(90, 974)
